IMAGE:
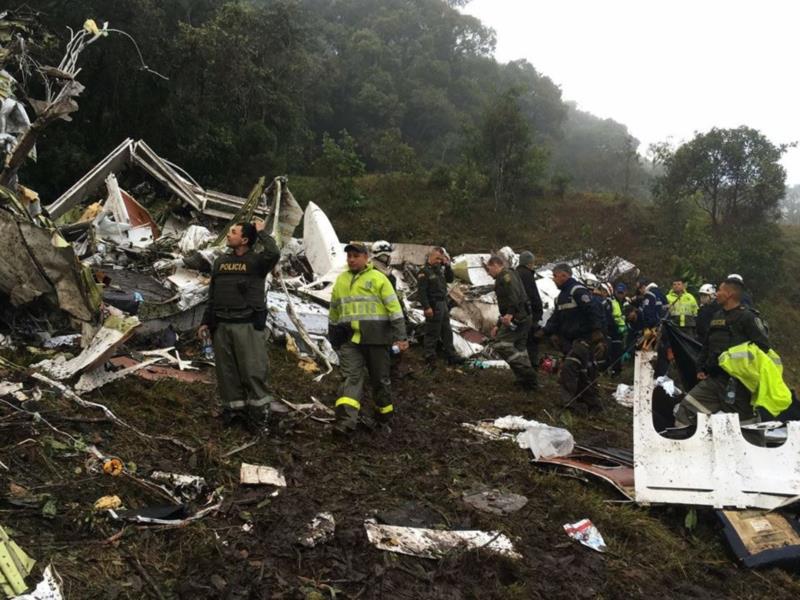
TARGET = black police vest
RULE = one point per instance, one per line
(239, 282)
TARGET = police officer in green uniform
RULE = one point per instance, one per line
(365, 320)
(733, 324)
(236, 316)
(511, 332)
(432, 282)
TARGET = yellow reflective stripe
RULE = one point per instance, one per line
(385, 410)
(356, 318)
(346, 299)
(345, 401)
(736, 355)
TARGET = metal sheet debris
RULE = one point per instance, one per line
(716, 466)
(186, 487)
(261, 475)
(319, 530)
(15, 566)
(495, 501)
(114, 331)
(434, 543)
(611, 465)
(155, 372)
(49, 588)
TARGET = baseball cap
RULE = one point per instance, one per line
(356, 247)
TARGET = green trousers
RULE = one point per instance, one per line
(578, 375)
(357, 362)
(242, 365)
(708, 397)
(512, 346)
(438, 328)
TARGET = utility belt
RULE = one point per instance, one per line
(258, 319)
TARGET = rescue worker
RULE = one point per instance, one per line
(652, 302)
(365, 321)
(615, 329)
(381, 252)
(682, 307)
(511, 332)
(747, 299)
(599, 297)
(432, 281)
(654, 308)
(708, 306)
(527, 275)
(575, 328)
(236, 319)
(732, 324)
(620, 293)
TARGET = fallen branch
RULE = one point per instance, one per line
(68, 393)
(303, 333)
(240, 448)
(300, 409)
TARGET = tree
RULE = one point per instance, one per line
(790, 206)
(338, 166)
(731, 174)
(505, 152)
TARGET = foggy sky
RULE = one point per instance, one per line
(664, 69)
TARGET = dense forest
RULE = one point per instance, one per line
(233, 90)
(358, 99)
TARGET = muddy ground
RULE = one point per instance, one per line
(415, 475)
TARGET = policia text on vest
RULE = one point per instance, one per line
(236, 316)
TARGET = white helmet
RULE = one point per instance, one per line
(590, 280)
(381, 247)
(736, 276)
(708, 289)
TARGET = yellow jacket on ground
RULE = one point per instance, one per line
(761, 373)
(368, 303)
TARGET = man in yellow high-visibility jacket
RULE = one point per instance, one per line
(682, 307)
(365, 321)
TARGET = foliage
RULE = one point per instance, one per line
(505, 153)
(338, 166)
(600, 155)
(254, 84)
(731, 174)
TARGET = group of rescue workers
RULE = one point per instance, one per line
(595, 325)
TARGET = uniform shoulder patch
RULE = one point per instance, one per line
(585, 298)
(421, 275)
(507, 277)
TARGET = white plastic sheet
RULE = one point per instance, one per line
(542, 440)
(624, 395)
